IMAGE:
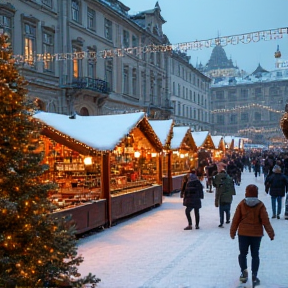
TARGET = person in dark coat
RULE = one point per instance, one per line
(276, 185)
(223, 195)
(192, 193)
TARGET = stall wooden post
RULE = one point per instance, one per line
(105, 181)
(160, 168)
(169, 172)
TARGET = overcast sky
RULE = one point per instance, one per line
(190, 20)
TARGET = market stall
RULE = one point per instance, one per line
(178, 153)
(219, 144)
(105, 167)
(205, 150)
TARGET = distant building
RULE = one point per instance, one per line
(219, 65)
(126, 74)
(251, 106)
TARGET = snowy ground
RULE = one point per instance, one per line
(153, 251)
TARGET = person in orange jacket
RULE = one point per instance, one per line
(249, 219)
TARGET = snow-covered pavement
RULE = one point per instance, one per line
(152, 250)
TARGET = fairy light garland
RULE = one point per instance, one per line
(258, 130)
(239, 108)
(246, 38)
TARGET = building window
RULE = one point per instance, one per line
(219, 95)
(244, 93)
(108, 29)
(258, 92)
(152, 58)
(135, 43)
(179, 90)
(134, 82)
(257, 116)
(158, 59)
(143, 85)
(126, 39)
(273, 116)
(244, 117)
(29, 43)
(232, 94)
(92, 64)
(174, 88)
(109, 73)
(48, 50)
(194, 114)
(190, 95)
(179, 109)
(194, 97)
(6, 25)
(75, 10)
(47, 3)
(77, 63)
(233, 119)
(91, 20)
(220, 119)
(126, 79)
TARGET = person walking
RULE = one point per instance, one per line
(276, 185)
(192, 193)
(249, 219)
(225, 190)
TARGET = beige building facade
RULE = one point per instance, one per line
(93, 58)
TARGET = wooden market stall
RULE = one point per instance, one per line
(105, 167)
(205, 150)
(219, 144)
(178, 153)
(229, 143)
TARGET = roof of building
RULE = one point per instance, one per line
(218, 59)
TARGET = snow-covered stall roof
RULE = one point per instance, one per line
(101, 133)
(218, 141)
(229, 141)
(182, 138)
(163, 129)
(203, 139)
(238, 143)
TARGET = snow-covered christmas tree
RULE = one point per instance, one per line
(36, 250)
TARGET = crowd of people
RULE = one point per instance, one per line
(250, 212)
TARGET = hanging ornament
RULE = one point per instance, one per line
(277, 54)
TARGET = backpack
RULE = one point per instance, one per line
(227, 185)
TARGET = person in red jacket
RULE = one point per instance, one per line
(249, 219)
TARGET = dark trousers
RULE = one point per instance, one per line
(254, 243)
(188, 215)
(224, 208)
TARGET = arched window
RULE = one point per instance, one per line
(84, 111)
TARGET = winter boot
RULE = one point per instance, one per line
(255, 281)
(189, 227)
(244, 276)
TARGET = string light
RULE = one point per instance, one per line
(246, 38)
(253, 105)
(258, 130)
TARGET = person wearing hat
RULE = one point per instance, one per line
(276, 185)
(249, 219)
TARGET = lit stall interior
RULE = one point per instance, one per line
(219, 143)
(134, 164)
(77, 176)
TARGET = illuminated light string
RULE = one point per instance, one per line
(253, 105)
(265, 35)
(259, 130)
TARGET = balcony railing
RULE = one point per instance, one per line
(89, 83)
